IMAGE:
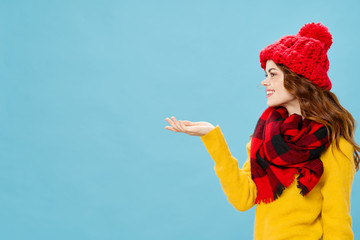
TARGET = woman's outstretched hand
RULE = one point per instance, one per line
(190, 128)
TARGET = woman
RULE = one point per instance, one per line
(302, 156)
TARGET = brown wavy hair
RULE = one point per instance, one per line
(322, 106)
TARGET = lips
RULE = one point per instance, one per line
(269, 93)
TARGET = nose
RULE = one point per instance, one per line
(265, 82)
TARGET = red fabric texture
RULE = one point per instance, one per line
(304, 53)
(282, 146)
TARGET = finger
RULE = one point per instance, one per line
(171, 123)
(171, 128)
(187, 123)
(168, 120)
(177, 126)
(182, 126)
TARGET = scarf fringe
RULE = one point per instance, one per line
(278, 191)
(304, 190)
(265, 200)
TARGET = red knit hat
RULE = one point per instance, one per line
(304, 53)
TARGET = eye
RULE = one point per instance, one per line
(271, 74)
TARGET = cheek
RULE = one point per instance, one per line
(285, 95)
(279, 87)
(281, 90)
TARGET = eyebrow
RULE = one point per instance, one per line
(271, 69)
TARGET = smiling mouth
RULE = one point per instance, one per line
(270, 93)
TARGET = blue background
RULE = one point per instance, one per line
(85, 90)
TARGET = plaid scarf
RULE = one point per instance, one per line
(282, 146)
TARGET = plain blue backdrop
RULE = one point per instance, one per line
(85, 90)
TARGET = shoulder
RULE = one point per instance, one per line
(339, 159)
(344, 146)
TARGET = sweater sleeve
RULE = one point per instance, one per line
(337, 180)
(236, 183)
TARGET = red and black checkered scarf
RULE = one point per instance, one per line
(282, 146)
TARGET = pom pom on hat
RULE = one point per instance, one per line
(318, 32)
(304, 53)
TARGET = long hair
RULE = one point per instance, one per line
(322, 106)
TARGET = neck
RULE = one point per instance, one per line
(294, 110)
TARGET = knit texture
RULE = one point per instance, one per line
(283, 146)
(323, 213)
(304, 53)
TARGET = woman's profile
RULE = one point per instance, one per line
(302, 155)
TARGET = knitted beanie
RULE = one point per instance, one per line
(304, 53)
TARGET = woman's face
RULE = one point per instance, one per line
(276, 93)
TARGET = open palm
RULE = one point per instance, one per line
(188, 127)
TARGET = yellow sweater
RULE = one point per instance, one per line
(324, 212)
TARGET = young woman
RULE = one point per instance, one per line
(302, 155)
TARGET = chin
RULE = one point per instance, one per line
(272, 104)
